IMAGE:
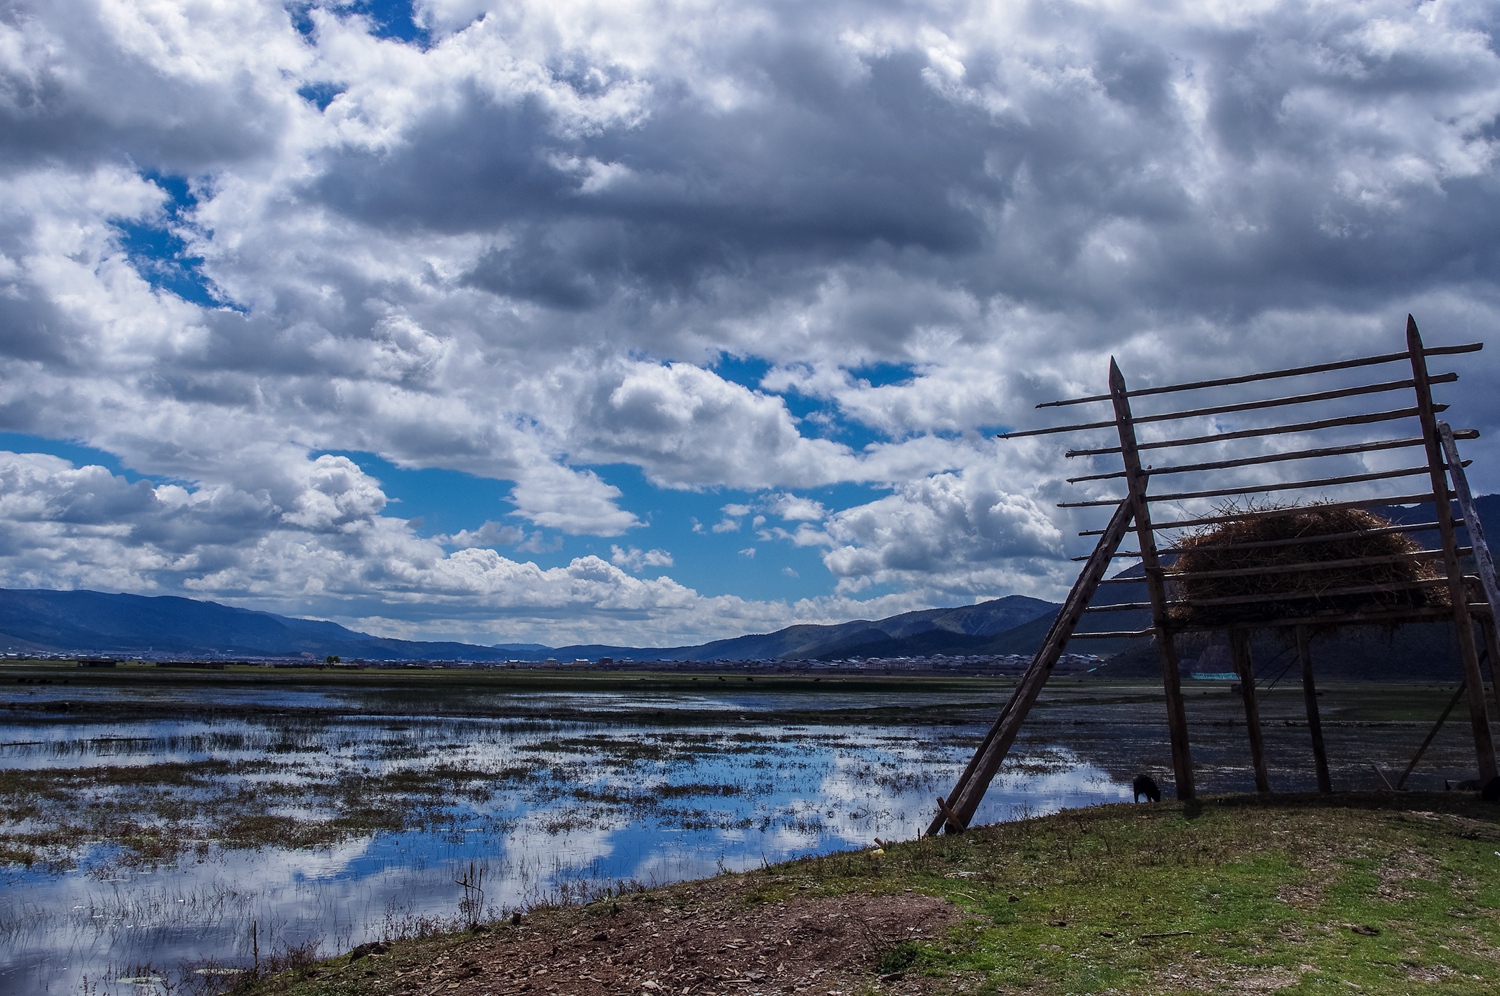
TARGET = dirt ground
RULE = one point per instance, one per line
(715, 943)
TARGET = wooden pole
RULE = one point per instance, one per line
(1239, 649)
(1314, 720)
(964, 800)
(1481, 547)
(1484, 746)
(1182, 757)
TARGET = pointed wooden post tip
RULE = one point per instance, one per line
(1116, 378)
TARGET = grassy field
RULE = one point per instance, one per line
(1294, 894)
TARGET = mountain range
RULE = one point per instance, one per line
(91, 622)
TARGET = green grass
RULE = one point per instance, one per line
(1161, 898)
(1234, 895)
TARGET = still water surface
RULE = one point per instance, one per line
(536, 795)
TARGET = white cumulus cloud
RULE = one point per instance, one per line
(775, 249)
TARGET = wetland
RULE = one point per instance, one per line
(171, 830)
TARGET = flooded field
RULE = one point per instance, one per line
(164, 830)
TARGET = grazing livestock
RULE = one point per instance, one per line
(1145, 785)
(1491, 790)
(1467, 785)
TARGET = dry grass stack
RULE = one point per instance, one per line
(1264, 538)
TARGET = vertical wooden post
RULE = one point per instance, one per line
(1314, 721)
(1484, 746)
(1239, 649)
(961, 804)
(1182, 757)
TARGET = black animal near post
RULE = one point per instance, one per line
(1145, 785)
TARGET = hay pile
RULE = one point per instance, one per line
(1202, 552)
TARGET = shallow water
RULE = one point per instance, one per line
(536, 795)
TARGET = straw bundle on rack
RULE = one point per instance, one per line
(1232, 560)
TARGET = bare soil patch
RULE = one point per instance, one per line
(716, 939)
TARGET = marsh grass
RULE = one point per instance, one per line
(308, 781)
(311, 777)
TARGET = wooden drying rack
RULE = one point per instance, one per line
(1469, 598)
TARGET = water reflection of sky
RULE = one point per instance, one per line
(573, 805)
(602, 803)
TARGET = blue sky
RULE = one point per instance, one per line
(713, 563)
(511, 321)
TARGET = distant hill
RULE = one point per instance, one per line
(963, 630)
(37, 620)
(92, 622)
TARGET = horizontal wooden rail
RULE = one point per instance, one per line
(1412, 527)
(1242, 406)
(1128, 634)
(1053, 430)
(1278, 513)
(1269, 597)
(1365, 361)
(1305, 567)
(1396, 527)
(1374, 446)
(1270, 430)
(1311, 565)
(1436, 613)
(1111, 502)
(1296, 596)
(1323, 482)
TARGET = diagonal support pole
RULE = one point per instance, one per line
(963, 801)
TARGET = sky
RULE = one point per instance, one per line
(651, 322)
